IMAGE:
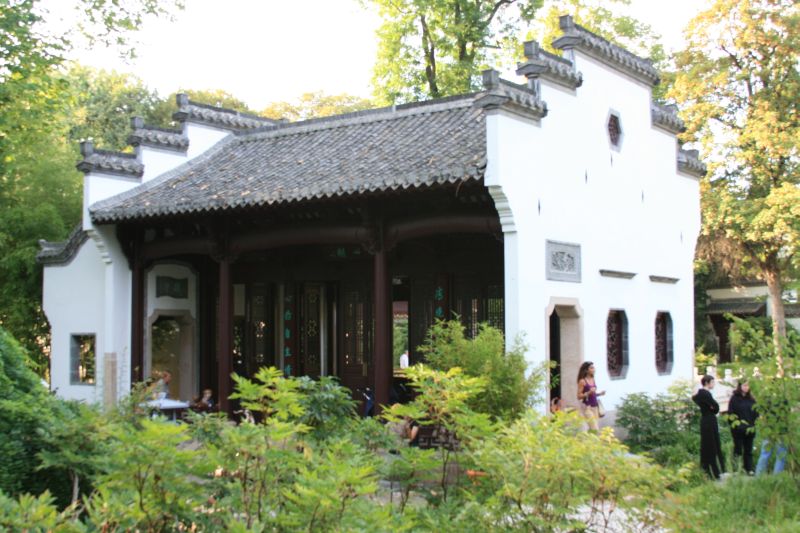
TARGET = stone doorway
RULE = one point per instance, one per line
(565, 348)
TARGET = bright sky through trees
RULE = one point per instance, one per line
(264, 51)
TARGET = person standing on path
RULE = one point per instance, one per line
(587, 395)
(711, 459)
(742, 416)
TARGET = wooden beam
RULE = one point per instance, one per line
(278, 238)
(428, 226)
(137, 316)
(225, 335)
(382, 345)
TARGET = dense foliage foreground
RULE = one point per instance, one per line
(306, 461)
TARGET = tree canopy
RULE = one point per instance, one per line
(39, 186)
(430, 48)
(738, 84)
(316, 104)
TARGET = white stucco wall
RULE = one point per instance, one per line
(158, 161)
(98, 186)
(73, 302)
(202, 137)
(629, 209)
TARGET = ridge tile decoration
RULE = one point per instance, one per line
(563, 261)
(666, 117)
(143, 135)
(542, 64)
(501, 94)
(189, 111)
(61, 253)
(107, 162)
(689, 163)
(579, 38)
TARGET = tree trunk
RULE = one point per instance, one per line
(76, 488)
(429, 49)
(772, 275)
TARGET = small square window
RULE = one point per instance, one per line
(82, 360)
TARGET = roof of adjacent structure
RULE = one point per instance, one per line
(737, 306)
(391, 148)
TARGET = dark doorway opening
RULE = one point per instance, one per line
(555, 356)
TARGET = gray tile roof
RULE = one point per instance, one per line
(689, 163)
(578, 37)
(61, 253)
(156, 137)
(392, 148)
(119, 163)
(666, 117)
(219, 117)
(736, 306)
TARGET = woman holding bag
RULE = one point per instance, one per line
(587, 395)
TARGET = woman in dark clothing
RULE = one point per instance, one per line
(711, 458)
(743, 419)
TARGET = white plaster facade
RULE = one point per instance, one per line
(559, 178)
(629, 209)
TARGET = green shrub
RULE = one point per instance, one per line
(26, 410)
(664, 425)
(327, 407)
(510, 389)
(36, 514)
(667, 428)
(544, 474)
(777, 401)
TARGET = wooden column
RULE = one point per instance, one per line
(137, 316)
(224, 335)
(382, 344)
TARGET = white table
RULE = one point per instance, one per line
(169, 407)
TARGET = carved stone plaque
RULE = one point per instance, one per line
(563, 261)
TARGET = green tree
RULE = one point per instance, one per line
(609, 19)
(738, 83)
(433, 48)
(39, 186)
(104, 103)
(314, 105)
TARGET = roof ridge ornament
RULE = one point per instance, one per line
(542, 64)
(666, 117)
(577, 37)
(689, 163)
(144, 135)
(108, 162)
(219, 117)
(501, 94)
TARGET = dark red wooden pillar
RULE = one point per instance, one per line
(225, 335)
(382, 345)
(137, 317)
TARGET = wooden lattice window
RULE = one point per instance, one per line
(614, 130)
(617, 343)
(663, 343)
